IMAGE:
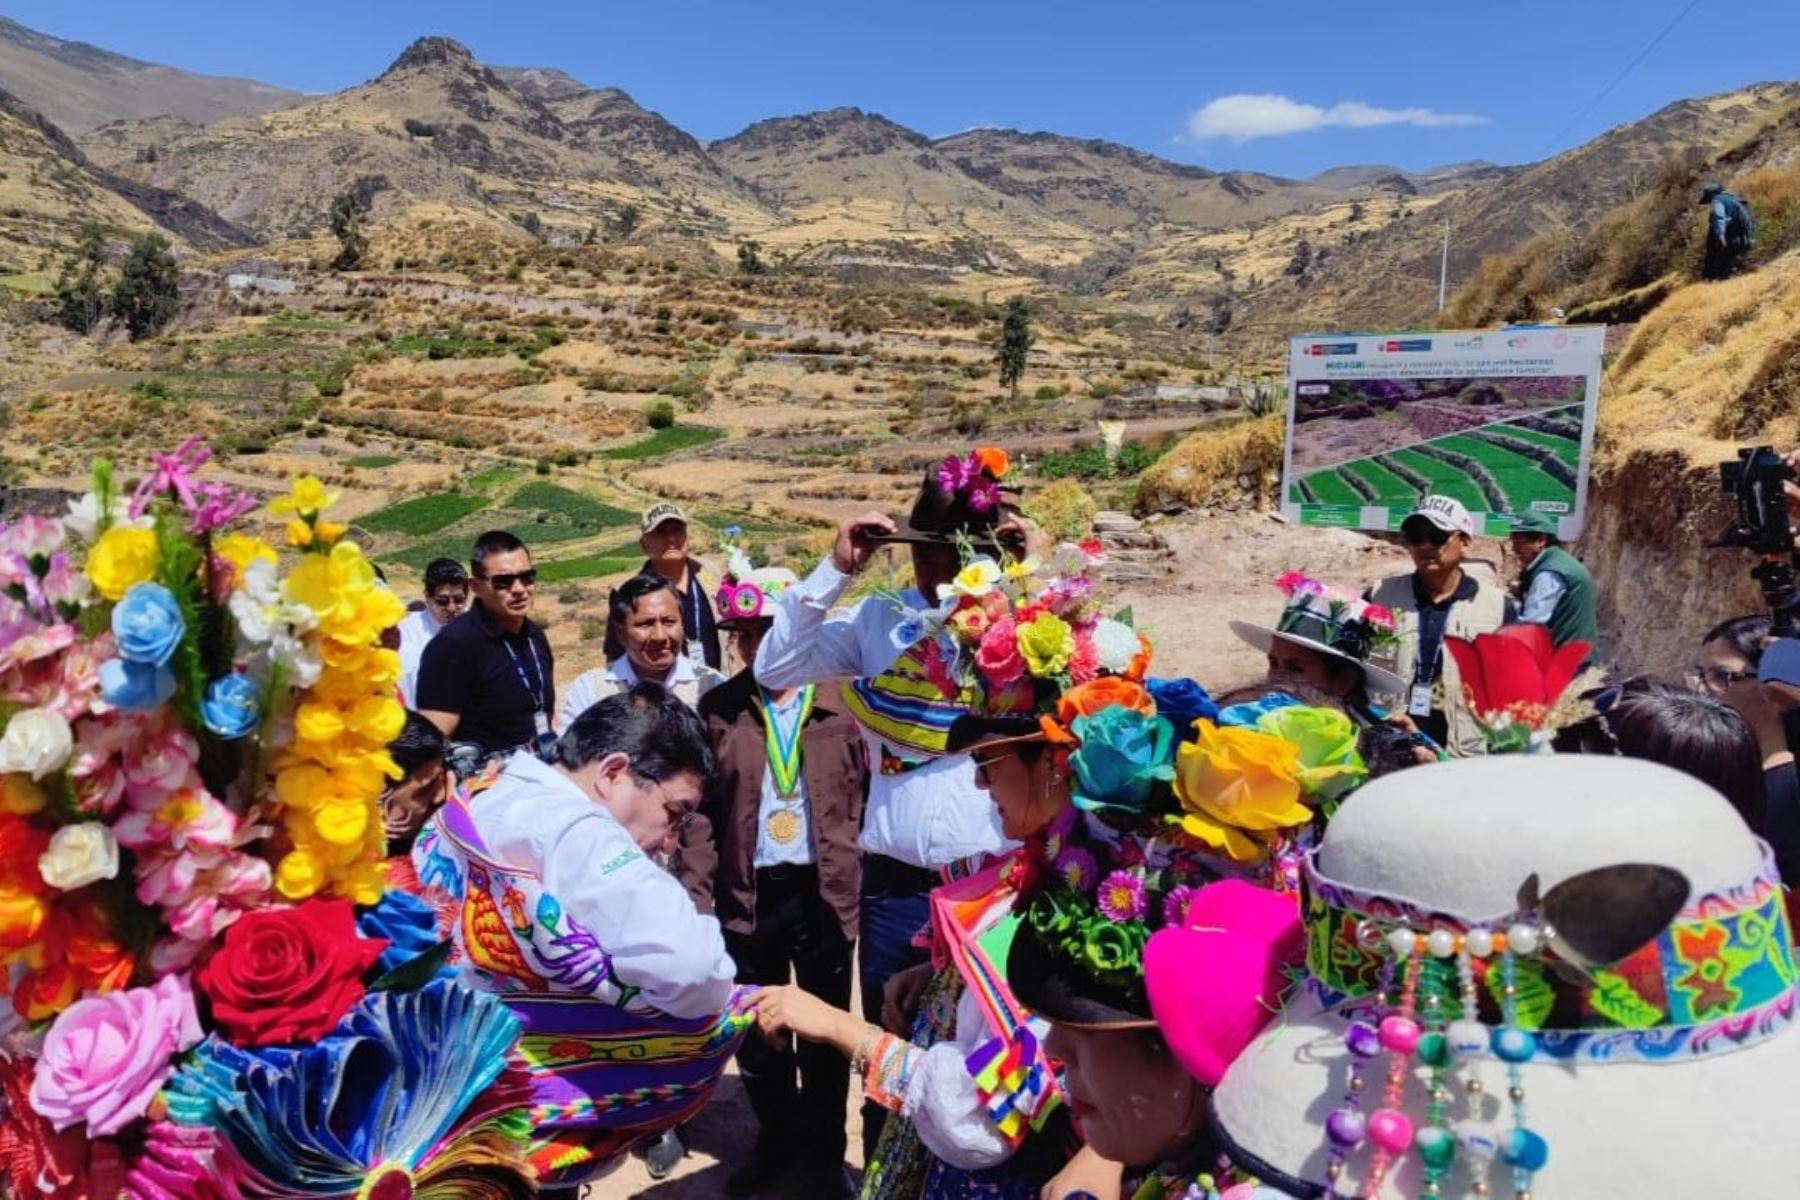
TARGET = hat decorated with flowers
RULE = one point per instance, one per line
(1332, 622)
(961, 498)
(746, 590)
(1153, 821)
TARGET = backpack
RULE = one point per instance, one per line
(1740, 224)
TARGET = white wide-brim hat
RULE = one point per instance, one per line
(1379, 681)
(1713, 1117)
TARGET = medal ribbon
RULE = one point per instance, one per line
(783, 747)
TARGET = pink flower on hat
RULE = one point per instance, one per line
(106, 1056)
(1121, 897)
(1077, 868)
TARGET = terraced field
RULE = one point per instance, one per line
(1503, 467)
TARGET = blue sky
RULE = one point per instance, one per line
(1272, 85)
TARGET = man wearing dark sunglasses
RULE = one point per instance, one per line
(446, 595)
(1439, 598)
(489, 677)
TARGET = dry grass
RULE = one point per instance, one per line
(1064, 509)
(1206, 467)
(1709, 366)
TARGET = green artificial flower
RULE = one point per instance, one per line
(1330, 763)
(1114, 949)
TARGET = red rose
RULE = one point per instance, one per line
(288, 974)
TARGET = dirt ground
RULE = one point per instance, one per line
(1226, 567)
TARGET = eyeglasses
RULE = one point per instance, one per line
(450, 600)
(1717, 679)
(504, 583)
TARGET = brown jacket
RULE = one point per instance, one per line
(718, 847)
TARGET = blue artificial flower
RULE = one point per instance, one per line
(147, 624)
(1255, 710)
(133, 686)
(409, 925)
(1123, 754)
(1182, 701)
(232, 707)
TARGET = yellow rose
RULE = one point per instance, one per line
(20, 795)
(299, 534)
(328, 532)
(342, 822)
(299, 875)
(315, 722)
(1047, 645)
(383, 669)
(378, 718)
(1235, 783)
(365, 883)
(120, 560)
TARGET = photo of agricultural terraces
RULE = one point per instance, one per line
(1497, 444)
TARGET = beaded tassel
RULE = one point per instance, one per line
(1389, 1128)
(1525, 1151)
(1435, 1143)
(1346, 1128)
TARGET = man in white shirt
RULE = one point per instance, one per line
(925, 811)
(446, 595)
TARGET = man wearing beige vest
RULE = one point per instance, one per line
(1439, 598)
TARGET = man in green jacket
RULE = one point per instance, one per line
(1555, 590)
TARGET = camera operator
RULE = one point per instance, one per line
(1730, 655)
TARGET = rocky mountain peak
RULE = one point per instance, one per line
(433, 51)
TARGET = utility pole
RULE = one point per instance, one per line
(1444, 266)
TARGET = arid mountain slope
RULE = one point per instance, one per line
(80, 87)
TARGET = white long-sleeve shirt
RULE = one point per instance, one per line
(416, 630)
(942, 1101)
(687, 679)
(930, 816)
(659, 943)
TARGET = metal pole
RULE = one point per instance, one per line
(1444, 266)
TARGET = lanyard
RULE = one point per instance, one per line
(783, 746)
(536, 692)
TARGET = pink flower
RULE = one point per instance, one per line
(1077, 868)
(65, 584)
(1069, 596)
(105, 1057)
(984, 494)
(1175, 905)
(998, 658)
(172, 954)
(954, 473)
(1121, 897)
(31, 537)
(218, 507)
(1378, 616)
(192, 818)
(937, 671)
(1084, 664)
(174, 473)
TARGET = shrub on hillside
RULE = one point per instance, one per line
(1205, 467)
(659, 414)
(1064, 510)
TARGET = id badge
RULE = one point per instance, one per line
(696, 653)
(542, 721)
(1418, 700)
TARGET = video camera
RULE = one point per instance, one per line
(1757, 481)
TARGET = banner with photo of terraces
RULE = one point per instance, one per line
(1502, 420)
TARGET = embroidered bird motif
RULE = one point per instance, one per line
(486, 938)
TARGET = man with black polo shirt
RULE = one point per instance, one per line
(1439, 598)
(489, 678)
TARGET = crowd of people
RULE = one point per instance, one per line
(1072, 923)
(860, 794)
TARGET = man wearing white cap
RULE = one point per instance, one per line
(1438, 599)
(663, 534)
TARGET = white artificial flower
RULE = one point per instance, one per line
(976, 580)
(79, 855)
(1117, 644)
(37, 743)
(84, 517)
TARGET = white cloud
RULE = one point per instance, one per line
(1245, 116)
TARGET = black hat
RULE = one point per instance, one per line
(1055, 988)
(959, 498)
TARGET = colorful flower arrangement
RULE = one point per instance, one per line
(192, 757)
(1339, 619)
(976, 478)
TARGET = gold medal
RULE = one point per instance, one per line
(783, 826)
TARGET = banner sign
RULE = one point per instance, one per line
(1502, 421)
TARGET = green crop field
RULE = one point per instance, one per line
(666, 441)
(1330, 488)
(424, 514)
(1390, 490)
(574, 506)
(367, 461)
(1445, 479)
(1568, 448)
(1519, 477)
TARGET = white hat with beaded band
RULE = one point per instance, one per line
(1563, 977)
